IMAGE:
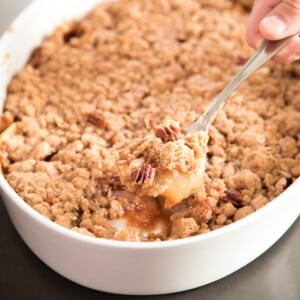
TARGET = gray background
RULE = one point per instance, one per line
(274, 275)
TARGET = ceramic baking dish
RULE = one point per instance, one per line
(128, 267)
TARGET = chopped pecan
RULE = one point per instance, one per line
(241, 60)
(145, 174)
(233, 196)
(76, 32)
(97, 120)
(168, 133)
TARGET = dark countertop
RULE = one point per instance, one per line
(274, 275)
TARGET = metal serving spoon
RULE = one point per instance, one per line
(266, 51)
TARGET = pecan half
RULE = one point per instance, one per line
(168, 133)
(97, 120)
(145, 174)
(233, 196)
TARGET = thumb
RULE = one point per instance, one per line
(282, 21)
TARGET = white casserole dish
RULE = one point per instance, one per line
(126, 267)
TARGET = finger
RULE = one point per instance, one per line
(290, 53)
(259, 11)
(282, 21)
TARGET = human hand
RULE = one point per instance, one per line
(274, 20)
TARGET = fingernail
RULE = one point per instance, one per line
(274, 24)
(294, 57)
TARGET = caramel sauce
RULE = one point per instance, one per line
(147, 214)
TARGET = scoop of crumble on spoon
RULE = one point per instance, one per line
(168, 164)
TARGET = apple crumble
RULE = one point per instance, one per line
(74, 138)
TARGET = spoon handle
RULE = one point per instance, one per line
(265, 52)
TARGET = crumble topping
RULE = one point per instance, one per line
(110, 79)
